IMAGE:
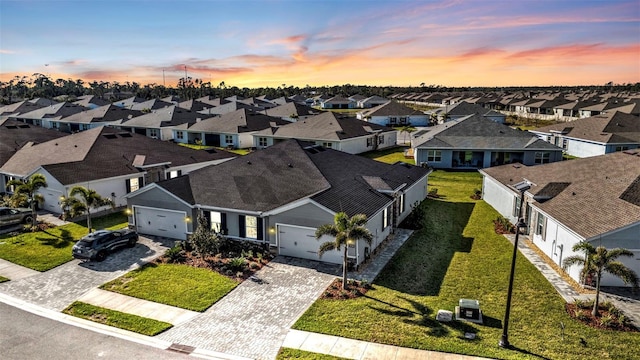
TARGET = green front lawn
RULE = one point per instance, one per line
(3, 279)
(389, 155)
(44, 250)
(117, 319)
(458, 255)
(178, 285)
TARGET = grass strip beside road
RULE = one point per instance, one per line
(44, 250)
(3, 279)
(458, 255)
(287, 354)
(117, 319)
(177, 285)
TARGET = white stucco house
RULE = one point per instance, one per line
(595, 135)
(112, 162)
(331, 131)
(595, 199)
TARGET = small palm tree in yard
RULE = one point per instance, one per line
(599, 260)
(407, 129)
(26, 193)
(81, 200)
(346, 231)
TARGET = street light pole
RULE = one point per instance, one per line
(504, 340)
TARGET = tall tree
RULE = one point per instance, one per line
(26, 192)
(81, 200)
(600, 260)
(346, 231)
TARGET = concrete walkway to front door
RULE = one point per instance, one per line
(253, 320)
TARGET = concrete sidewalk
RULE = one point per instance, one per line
(360, 350)
(130, 305)
(630, 307)
(15, 272)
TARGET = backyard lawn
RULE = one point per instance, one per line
(390, 155)
(44, 250)
(458, 255)
(178, 285)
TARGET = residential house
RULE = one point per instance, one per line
(280, 196)
(14, 135)
(331, 131)
(338, 102)
(88, 119)
(595, 199)
(234, 130)
(292, 111)
(160, 123)
(91, 101)
(21, 107)
(371, 101)
(42, 116)
(476, 142)
(463, 109)
(595, 135)
(394, 113)
(110, 161)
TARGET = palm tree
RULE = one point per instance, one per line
(89, 199)
(346, 231)
(407, 129)
(599, 260)
(27, 192)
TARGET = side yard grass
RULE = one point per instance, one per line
(390, 155)
(177, 285)
(459, 255)
(117, 319)
(3, 279)
(46, 249)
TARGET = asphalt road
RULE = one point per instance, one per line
(26, 336)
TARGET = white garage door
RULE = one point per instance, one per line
(300, 242)
(51, 200)
(161, 222)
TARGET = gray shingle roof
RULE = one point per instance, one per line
(392, 108)
(292, 170)
(326, 126)
(164, 117)
(600, 195)
(260, 181)
(15, 134)
(616, 127)
(478, 132)
(105, 113)
(102, 153)
(236, 122)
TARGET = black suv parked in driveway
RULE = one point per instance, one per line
(98, 244)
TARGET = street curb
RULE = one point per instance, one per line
(109, 330)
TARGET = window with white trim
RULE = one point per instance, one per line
(216, 221)
(228, 139)
(134, 184)
(251, 227)
(262, 141)
(385, 218)
(541, 225)
(622, 148)
(153, 133)
(180, 135)
(380, 139)
(434, 155)
(328, 145)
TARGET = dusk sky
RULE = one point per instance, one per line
(320, 42)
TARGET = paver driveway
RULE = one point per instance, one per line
(60, 286)
(253, 320)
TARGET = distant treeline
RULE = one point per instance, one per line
(40, 85)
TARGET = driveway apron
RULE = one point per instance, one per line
(253, 320)
(57, 288)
